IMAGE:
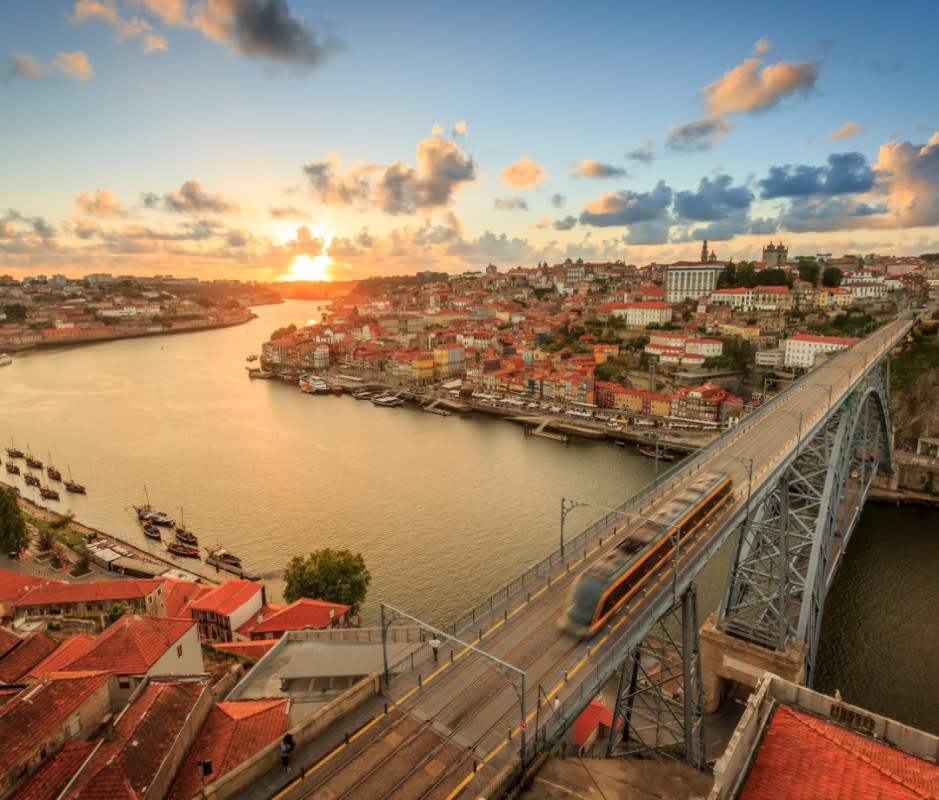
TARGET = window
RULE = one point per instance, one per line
(179, 651)
(123, 682)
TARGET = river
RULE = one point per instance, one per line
(444, 510)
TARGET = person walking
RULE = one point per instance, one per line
(285, 755)
(435, 646)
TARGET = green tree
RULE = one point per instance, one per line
(809, 270)
(337, 576)
(832, 276)
(118, 610)
(15, 312)
(281, 332)
(13, 533)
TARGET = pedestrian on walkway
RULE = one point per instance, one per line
(557, 705)
(285, 755)
(435, 646)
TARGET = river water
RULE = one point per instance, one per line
(444, 510)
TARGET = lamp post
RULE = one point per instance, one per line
(748, 462)
(799, 415)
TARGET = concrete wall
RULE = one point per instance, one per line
(189, 663)
(230, 784)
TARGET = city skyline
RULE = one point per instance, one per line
(254, 139)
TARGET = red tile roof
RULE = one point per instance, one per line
(127, 762)
(64, 654)
(99, 591)
(806, 758)
(592, 716)
(133, 644)
(300, 614)
(37, 710)
(14, 585)
(227, 597)
(50, 779)
(8, 640)
(22, 658)
(233, 732)
(179, 594)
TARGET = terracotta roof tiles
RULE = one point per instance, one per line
(227, 597)
(806, 758)
(133, 644)
(22, 658)
(67, 651)
(49, 780)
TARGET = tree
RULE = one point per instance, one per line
(831, 277)
(809, 270)
(13, 533)
(337, 576)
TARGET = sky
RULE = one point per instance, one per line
(278, 139)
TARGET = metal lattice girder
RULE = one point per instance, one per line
(658, 706)
(787, 552)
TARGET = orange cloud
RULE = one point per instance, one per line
(523, 174)
(910, 181)
(101, 204)
(74, 65)
(750, 86)
(847, 131)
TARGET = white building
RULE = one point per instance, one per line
(646, 312)
(804, 348)
(690, 280)
(741, 298)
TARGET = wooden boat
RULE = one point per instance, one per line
(13, 469)
(151, 531)
(72, 486)
(48, 492)
(32, 480)
(222, 556)
(184, 535)
(31, 460)
(53, 473)
(663, 455)
(180, 549)
(12, 452)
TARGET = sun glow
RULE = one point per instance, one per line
(305, 268)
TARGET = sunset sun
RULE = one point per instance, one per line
(305, 268)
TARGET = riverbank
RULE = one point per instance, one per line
(41, 512)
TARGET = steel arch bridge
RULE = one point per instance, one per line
(801, 521)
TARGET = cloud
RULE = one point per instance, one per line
(523, 174)
(751, 86)
(442, 169)
(564, 224)
(734, 224)
(459, 129)
(101, 204)
(190, 198)
(698, 136)
(557, 200)
(135, 27)
(74, 65)
(590, 168)
(437, 130)
(909, 181)
(642, 152)
(510, 203)
(715, 199)
(847, 131)
(23, 65)
(846, 172)
(280, 212)
(264, 29)
(628, 207)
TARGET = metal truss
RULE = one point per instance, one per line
(788, 550)
(658, 705)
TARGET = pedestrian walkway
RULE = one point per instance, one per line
(282, 784)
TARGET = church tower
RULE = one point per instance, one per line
(704, 252)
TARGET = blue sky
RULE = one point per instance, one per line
(263, 138)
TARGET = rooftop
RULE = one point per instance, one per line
(227, 597)
(133, 644)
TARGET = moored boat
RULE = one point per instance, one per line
(32, 461)
(388, 400)
(13, 469)
(52, 472)
(32, 480)
(151, 530)
(363, 394)
(12, 452)
(74, 487)
(185, 536)
(222, 556)
(662, 455)
(180, 549)
(48, 492)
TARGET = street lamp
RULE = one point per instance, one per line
(799, 415)
(748, 462)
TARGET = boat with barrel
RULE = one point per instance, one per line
(32, 480)
(183, 533)
(13, 452)
(73, 486)
(52, 472)
(13, 469)
(48, 492)
(222, 556)
(180, 549)
(31, 460)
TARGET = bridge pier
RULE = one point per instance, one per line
(725, 657)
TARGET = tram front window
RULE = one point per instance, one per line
(587, 594)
